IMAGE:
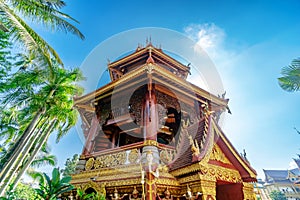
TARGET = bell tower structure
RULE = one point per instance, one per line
(150, 131)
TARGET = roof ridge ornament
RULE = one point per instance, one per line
(150, 59)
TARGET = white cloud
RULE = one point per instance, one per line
(249, 74)
(208, 37)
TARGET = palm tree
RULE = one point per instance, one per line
(44, 12)
(39, 156)
(290, 80)
(46, 104)
(50, 189)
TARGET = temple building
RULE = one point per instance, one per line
(284, 181)
(151, 134)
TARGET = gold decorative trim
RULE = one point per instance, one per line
(165, 181)
(150, 143)
(248, 191)
(189, 169)
(218, 155)
(99, 188)
(89, 164)
(133, 156)
(106, 172)
(189, 179)
(166, 156)
(220, 173)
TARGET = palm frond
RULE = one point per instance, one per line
(46, 13)
(44, 160)
(21, 32)
(290, 80)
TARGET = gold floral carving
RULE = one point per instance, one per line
(165, 181)
(110, 160)
(123, 182)
(89, 164)
(86, 175)
(220, 173)
(189, 169)
(218, 155)
(166, 156)
(119, 158)
(248, 191)
(189, 179)
(133, 156)
(99, 162)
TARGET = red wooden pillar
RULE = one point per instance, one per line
(150, 155)
(150, 117)
(150, 187)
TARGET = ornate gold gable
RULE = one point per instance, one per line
(218, 155)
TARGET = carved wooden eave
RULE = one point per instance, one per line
(107, 89)
(159, 75)
(165, 77)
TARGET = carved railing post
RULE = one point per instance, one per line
(248, 191)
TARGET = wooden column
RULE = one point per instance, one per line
(150, 155)
(91, 135)
(150, 187)
(150, 115)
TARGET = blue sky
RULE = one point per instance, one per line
(248, 41)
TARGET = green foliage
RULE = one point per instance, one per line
(26, 92)
(81, 195)
(290, 80)
(50, 189)
(22, 191)
(277, 195)
(5, 54)
(42, 12)
(36, 103)
(70, 165)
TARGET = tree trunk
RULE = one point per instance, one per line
(11, 164)
(39, 144)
